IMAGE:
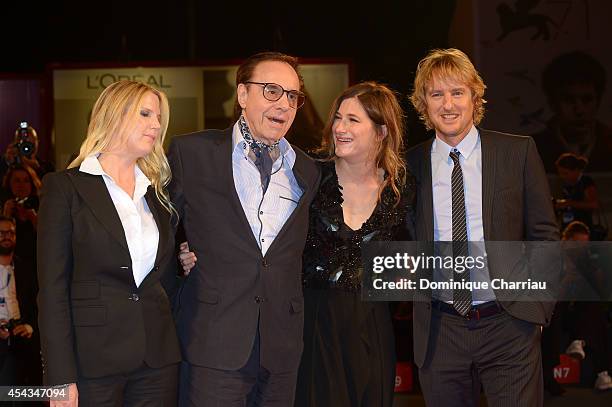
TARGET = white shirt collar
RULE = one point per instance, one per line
(465, 147)
(91, 165)
(241, 145)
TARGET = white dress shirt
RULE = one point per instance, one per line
(139, 226)
(266, 213)
(9, 306)
(441, 172)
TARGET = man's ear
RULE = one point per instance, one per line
(241, 94)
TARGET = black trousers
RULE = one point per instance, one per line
(499, 353)
(250, 386)
(145, 387)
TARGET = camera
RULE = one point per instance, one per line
(26, 203)
(11, 324)
(25, 147)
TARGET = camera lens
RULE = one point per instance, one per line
(25, 148)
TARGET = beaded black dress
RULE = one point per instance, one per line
(349, 346)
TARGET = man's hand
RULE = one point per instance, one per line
(4, 333)
(73, 398)
(187, 258)
(23, 330)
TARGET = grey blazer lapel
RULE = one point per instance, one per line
(488, 181)
(426, 195)
(95, 194)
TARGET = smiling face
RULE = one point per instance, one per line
(450, 109)
(145, 128)
(268, 120)
(355, 135)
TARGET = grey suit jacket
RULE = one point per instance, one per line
(516, 206)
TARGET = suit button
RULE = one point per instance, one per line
(134, 297)
(259, 299)
(265, 263)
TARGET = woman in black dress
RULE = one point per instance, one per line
(365, 195)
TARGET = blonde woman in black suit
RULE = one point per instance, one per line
(106, 261)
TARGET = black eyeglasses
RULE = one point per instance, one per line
(7, 233)
(274, 91)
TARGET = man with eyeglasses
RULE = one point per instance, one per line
(242, 195)
(19, 349)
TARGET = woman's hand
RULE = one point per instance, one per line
(23, 330)
(31, 216)
(73, 398)
(187, 258)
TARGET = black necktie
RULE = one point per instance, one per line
(462, 298)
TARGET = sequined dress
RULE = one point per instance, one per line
(349, 347)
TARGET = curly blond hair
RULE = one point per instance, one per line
(447, 63)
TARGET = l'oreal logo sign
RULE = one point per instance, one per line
(104, 80)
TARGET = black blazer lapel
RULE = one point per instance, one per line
(299, 171)
(95, 194)
(488, 181)
(162, 219)
(226, 177)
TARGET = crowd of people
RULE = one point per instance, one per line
(262, 305)
(21, 170)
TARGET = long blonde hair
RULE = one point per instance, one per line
(111, 117)
(383, 108)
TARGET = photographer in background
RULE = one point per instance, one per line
(16, 329)
(21, 185)
(579, 195)
(23, 151)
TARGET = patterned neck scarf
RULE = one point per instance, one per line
(248, 137)
(262, 151)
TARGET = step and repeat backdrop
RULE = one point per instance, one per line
(200, 97)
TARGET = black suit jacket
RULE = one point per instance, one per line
(516, 206)
(93, 319)
(233, 289)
